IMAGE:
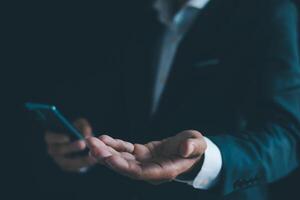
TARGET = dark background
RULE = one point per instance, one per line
(51, 50)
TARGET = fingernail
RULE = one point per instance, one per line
(81, 145)
(190, 149)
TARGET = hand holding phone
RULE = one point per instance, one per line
(64, 139)
(60, 146)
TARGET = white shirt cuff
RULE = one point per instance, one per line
(211, 168)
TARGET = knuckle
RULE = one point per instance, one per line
(119, 142)
(104, 138)
(79, 145)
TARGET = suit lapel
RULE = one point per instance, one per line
(199, 43)
(138, 76)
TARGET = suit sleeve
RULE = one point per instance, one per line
(268, 148)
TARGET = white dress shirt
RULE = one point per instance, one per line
(175, 28)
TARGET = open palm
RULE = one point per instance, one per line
(156, 161)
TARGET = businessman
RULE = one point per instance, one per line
(209, 103)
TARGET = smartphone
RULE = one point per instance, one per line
(53, 120)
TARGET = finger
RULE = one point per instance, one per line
(84, 127)
(56, 138)
(192, 147)
(127, 156)
(112, 150)
(65, 149)
(117, 144)
(97, 148)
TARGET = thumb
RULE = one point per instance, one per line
(192, 147)
(84, 127)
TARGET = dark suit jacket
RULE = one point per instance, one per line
(247, 101)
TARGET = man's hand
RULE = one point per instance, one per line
(155, 162)
(60, 147)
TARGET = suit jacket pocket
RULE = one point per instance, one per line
(206, 63)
